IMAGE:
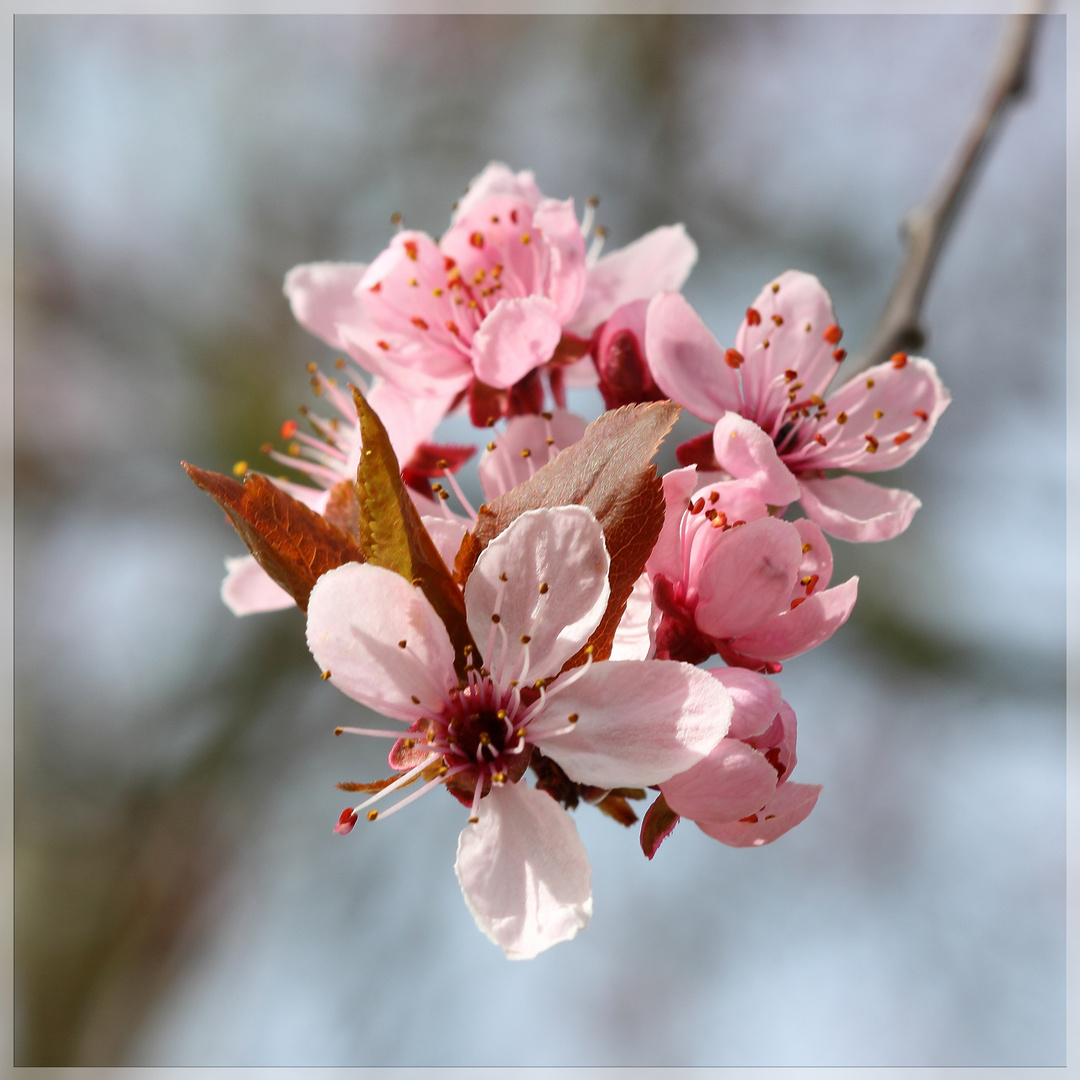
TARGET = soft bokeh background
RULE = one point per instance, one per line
(181, 898)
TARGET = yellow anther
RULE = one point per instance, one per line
(372, 815)
(325, 675)
(240, 468)
(878, 414)
(543, 587)
(338, 730)
(526, 452)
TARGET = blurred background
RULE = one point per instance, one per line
(180, 896)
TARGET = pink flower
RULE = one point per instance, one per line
(740, 794)
(732, 579)
(486, 306)
(767, 399)
(332, 455)
(535, 596)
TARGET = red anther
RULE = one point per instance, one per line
(714, 496)
(376, 287)
(819, 438)
(698, 506)
(419, 323)
(448, 263)
(898, 359)
(901, 438)
(267, 448)
(833, 334)
(871, 444)
(790, 374)
(797, 601)
(410, 249)
(733, 358)
(384, 345)
(736, 524)
(751, 820)
(921, 414)
(811, 583)
(839, 354)
(346, 822)
(752, 317)
(513, 216)
(288, 429)
(452, 326)
(778, 319)
(477, 240)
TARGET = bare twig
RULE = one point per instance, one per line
(927, 225)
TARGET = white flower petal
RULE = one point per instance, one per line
(381, 641)
(524, 872)
(554, 594)
(249, 590)
(639, 722)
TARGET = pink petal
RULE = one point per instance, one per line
(524, 872)
(748, 453)
(746, 577)
(507, 465)
(853, 509)
(756, 700)
(778, 356)
(322, 296)
(815, 620)
(639, 722)
(446, 533)
(358, 617)
(817, 560)
(555, 592)
(249, 590)
(517, 336)
(667, 554)
(909, 397)
(732, 782)
(498, 179)
(686, 361)
(790, 805)
(635, 636)
(659, 261)
(564, 280)
(409, 418)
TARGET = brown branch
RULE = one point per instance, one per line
(927, 226)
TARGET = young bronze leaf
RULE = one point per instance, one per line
(657, 825)
(609, 472)
(391, 534)
(292, 543)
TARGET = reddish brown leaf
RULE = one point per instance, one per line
(292, 543)
(657, 825)
(609, 472)
(391, 534)
(616, 806)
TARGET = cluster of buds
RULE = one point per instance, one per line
(558, 630)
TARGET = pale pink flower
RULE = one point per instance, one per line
(485, 307)
(767, 399)
(733, 580)
(740, 794)
(535, 596)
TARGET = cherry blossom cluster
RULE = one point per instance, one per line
(557, 631)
